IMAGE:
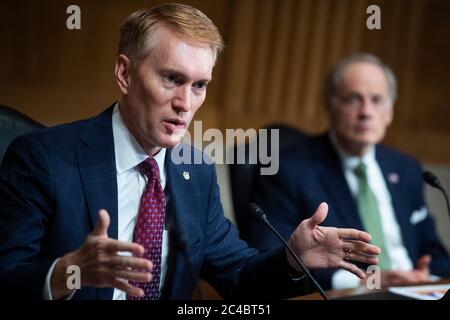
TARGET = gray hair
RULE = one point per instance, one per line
(335, 74)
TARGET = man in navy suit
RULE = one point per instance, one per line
(70, 195)
(360, 93)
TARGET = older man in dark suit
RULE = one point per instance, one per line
(367, 185)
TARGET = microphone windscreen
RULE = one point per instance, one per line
(431, 179)
(257, 211)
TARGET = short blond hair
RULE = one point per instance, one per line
(139, 28)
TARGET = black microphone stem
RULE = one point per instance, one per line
(432, 180)
(446, 200)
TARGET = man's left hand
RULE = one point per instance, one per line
(328, 247)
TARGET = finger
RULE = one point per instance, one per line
(361, 247)
(127, 288)
(319, 216)
(395, 274)
(411, 277)
(120, 262)
(132, 275)
(421, 276)
(423, 263)
(354, 234)
(113, 245)
(101, 229)
(353, 269)
(394, 280)
(361, 257)
(400, 277)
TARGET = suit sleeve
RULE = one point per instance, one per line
(25, 206)
(278, 196)
(238, 271)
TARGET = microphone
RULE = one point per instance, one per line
(261, 216)
(433, 181)
(178, 238)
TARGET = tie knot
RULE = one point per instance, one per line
(361, 170)
(150, 168)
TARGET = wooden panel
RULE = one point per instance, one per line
(314, 70)
(336, 32)
(56, 75)
(279, 61)
(277, 55)
(238, 65)
(356, 25)
(296, 78)
(262, 35)
(407, 62)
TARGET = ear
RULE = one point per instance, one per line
(390, 115)
(122, 73)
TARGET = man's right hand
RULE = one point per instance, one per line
(100, 264)
(421, 274)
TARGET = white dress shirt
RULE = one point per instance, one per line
(397, 252)
(130, 186)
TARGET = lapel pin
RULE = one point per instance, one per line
(393, 178)
(186, 175)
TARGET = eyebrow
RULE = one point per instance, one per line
(182, 75)
(356, 93)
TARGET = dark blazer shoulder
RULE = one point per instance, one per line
(408, 167)
(390, 154)
(65, 135)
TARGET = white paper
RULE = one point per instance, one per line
(427, 292)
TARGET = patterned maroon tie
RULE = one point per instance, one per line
(148, 231)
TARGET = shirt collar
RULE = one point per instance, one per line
(350, 162)
(128, 151)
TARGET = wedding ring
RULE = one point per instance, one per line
(347, 253)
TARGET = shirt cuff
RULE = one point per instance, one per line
(297, 276)
(47, 292)
(342, 279)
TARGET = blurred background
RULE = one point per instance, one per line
(277, 55)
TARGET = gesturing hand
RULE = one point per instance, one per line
(400, 277)
(101, 265)
(327, 247)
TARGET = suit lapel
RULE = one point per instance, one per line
(332, 177)
(177, 189)
(96, 160)
(396, 186)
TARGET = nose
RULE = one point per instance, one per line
(182, 100)
(367, 108)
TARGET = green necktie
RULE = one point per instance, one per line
(370, 215)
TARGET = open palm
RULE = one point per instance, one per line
(328, 247)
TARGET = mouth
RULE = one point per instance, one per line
(363, 127)
(174, 124)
